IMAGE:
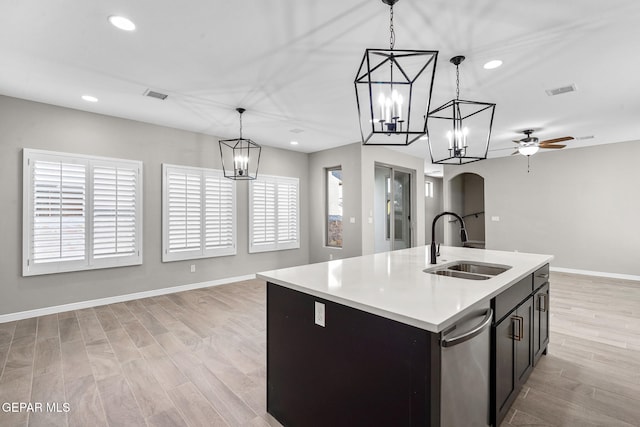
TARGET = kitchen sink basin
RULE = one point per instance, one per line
(459, 274)
(479, 268)
(470, 270)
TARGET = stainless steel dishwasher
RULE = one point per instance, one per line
(465, 387)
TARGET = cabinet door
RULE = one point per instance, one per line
(540, 322)
(504, 363)
(524, 350)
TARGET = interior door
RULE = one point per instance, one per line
(401, 209)
(392, 213)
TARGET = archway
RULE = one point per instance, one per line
(466, 198)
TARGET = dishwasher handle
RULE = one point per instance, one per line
(466, 336)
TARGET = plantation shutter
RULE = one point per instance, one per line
(263, 215)
(287, 212)
(198, 213)
(114, 211)
(58, 222)
(80, 212)
(274, 214)
(219, 214)
(184, 199)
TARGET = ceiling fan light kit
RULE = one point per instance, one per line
(240, 156)
(393, 92)
(529, 145)
(459, 131)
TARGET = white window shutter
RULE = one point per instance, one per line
(199, 213)
(274, 214)
(219, 215)
(58, 222)
(287, 212)
(184, 211)
(80, 212)
(114, 211)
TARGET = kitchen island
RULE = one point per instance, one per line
(358, 341)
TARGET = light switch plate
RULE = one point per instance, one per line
(319, 314)
(495, 218)
(352, 220)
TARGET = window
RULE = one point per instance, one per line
(80, 212)
(334, 206)
(274, 214)
(198, 213)
(428, 189)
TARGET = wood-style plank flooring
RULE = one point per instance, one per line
(197, 358)
(591, 374)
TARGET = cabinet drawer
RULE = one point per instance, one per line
(540, 277)
(509, 299)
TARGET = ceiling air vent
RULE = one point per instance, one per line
(154, 94)
(561, 90)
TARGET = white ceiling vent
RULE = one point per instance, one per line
(154, 94)
(561, 90)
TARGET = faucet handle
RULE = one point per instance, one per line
(438, 250)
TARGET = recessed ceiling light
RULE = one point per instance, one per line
(121, 22)
(294, 142)
(492, 64)
(89, 98)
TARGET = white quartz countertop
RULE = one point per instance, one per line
(393, 284)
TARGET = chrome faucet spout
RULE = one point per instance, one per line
(463, 233)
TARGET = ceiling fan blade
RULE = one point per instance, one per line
(553, 141)
(552, 146)
(517, 141)
(515, 152)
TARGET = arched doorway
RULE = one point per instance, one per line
(466, 198)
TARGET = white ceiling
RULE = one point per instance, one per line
(291, 64)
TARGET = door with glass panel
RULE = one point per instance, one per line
(392, 213)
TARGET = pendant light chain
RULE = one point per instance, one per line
(240, 125)
(392, 32)
(457, 82)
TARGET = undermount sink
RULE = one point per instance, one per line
(459, 274)
(471, 270)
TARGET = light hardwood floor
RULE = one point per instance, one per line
(198, 358)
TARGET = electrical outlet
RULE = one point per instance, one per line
(319, 314)
(495, 218)
(330, 257)
(193, 268)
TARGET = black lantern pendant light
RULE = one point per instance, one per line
(459, 131)
(393, 91)
(240, 157)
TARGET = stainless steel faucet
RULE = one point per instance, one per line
(463, 234)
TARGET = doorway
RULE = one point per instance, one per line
(392, 212)
(466, 198)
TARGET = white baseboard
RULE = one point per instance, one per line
(595, 273)
(119, 298)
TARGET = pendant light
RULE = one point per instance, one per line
(459, 131)
(393, 92)
(240, 157)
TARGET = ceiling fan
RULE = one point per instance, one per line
(530, 145)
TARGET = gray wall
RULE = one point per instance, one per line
(348, 157)
(25, 124)
(432, 207)
(370, 155)
(580, 205)
(358, 169)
